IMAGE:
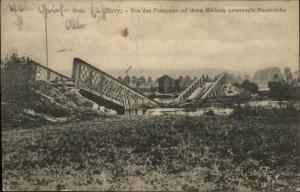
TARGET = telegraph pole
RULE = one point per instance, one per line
(47, 60)
(46, 40)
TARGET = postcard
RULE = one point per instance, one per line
(160, 95)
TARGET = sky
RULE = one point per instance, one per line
(233, 41)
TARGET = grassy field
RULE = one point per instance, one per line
(253, 153)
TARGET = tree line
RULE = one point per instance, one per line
(283, 86)
(140, 80)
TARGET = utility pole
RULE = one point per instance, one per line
(46, 40)
(47, 60)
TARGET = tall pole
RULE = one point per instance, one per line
(46, 40)
(47, 61)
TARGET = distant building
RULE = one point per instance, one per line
(168, 84)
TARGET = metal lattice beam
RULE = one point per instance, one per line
(92, 79)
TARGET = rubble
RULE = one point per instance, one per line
(44, 102)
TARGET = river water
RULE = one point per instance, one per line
(194, 112)
(268, 104)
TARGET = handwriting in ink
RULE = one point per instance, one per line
(74, 24)
(18, 7)
(53, 10)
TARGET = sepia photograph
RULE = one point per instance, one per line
(159, 95)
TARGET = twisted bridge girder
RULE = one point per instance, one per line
(92, 79)
(199, 82)
(216, 89)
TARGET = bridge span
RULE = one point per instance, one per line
(202, 88)
(101, 84)
(101, 87)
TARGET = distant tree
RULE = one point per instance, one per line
(180, 79)
(216, 77)
(288, 75)
(149, 80)
(277, 77)
(207, 78)
(246, 77)
(127, 79)
(249, 86)
(187, 78)
(283, 91)
(134, 80)
(142, 80)
(186, 81)
(276, 89)
(120, 79)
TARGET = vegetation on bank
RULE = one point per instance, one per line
(257, 152)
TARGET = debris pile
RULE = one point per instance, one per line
(43, 102)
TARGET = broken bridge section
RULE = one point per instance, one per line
(202, 89)
(92, 80)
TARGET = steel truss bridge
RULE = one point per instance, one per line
(92, 80)
(203, 88)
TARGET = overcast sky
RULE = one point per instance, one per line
(236, 41)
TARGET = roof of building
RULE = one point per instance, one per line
(172, 76)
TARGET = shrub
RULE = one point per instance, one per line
(16, 71)
(250, 86)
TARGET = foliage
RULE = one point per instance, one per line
(277, 114)
(134, 80)
(174, 153)
(120, 79)
(149, 80)
(186, 81)
(282, 91)
(249, 86)
(127, 80)
(288, 76)
(142, 80)
(14, 61)
(15, 73)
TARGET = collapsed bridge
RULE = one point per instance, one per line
(97, 82)
(202, 88)
(102, 88)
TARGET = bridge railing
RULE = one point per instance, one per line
(96, 81)
(43, 73)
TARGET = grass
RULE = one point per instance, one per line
(253, 153)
